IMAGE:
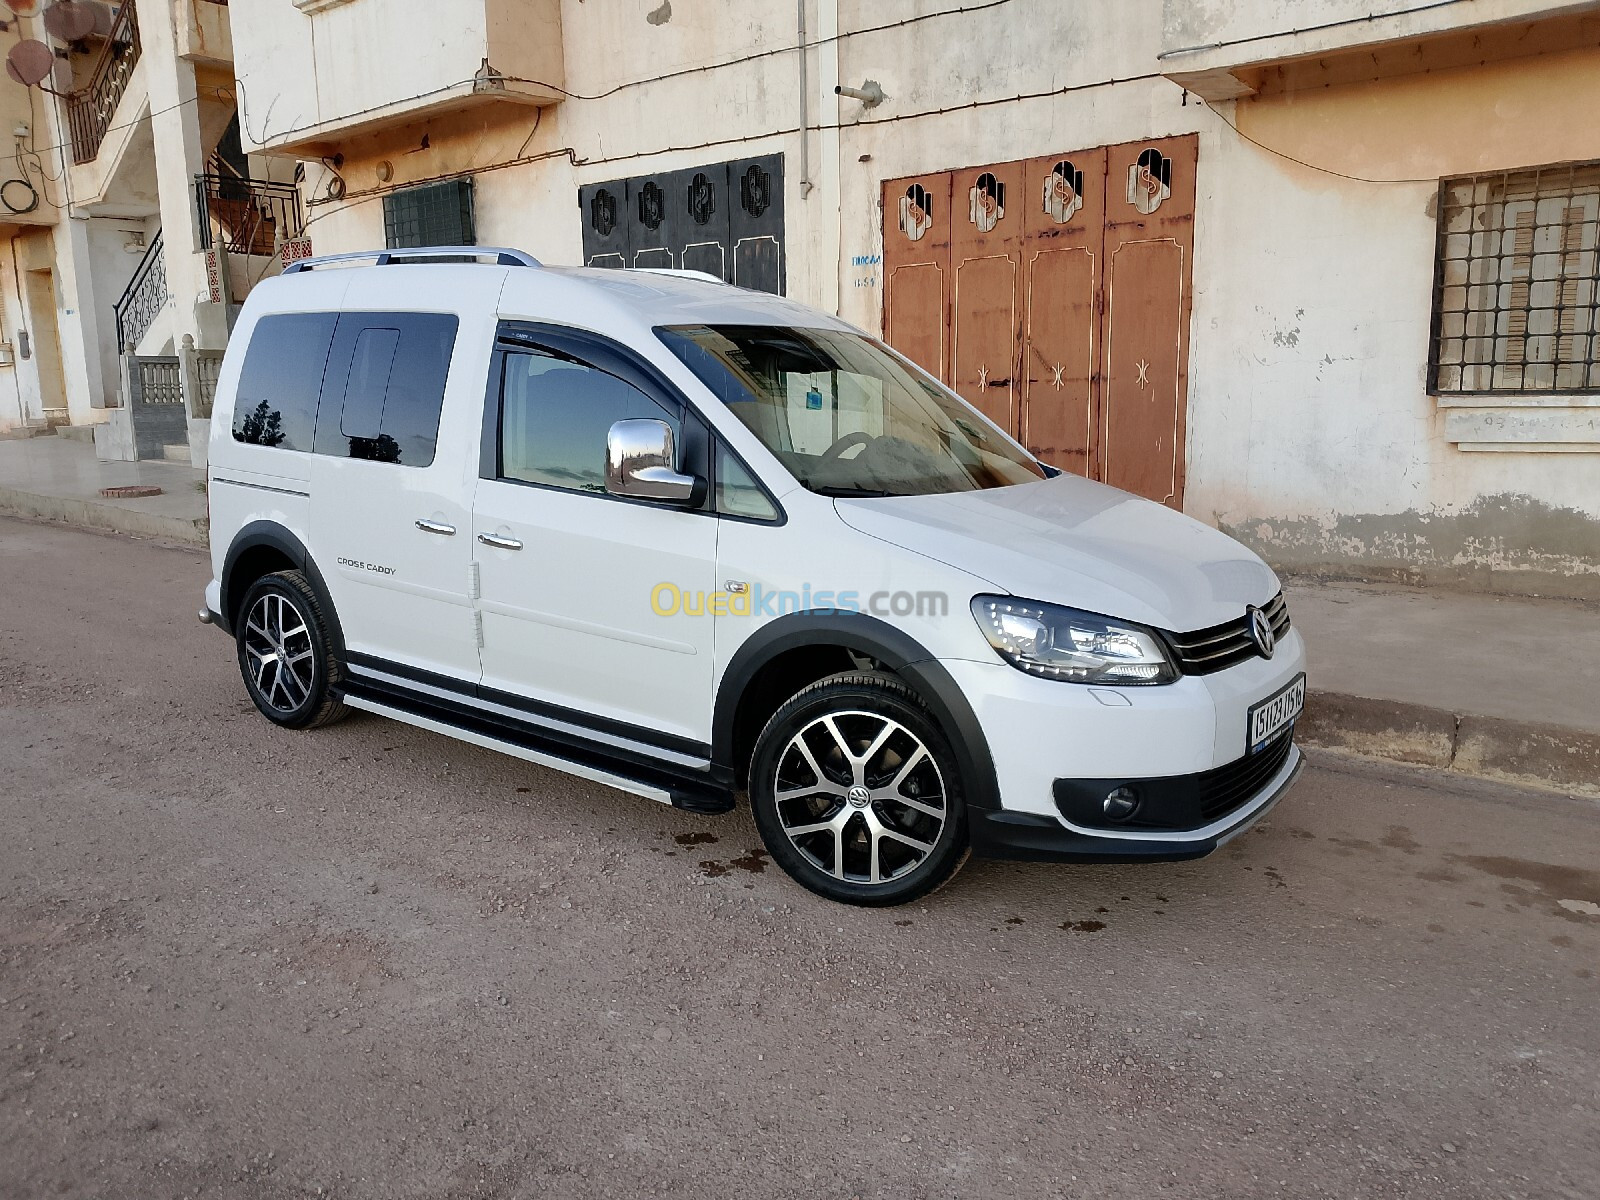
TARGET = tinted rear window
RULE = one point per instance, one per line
(386, 380)
(279, 385)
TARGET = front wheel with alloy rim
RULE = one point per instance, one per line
(857, 794)
(285, 654)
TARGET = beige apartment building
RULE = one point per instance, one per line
(144, 220)
(1322, 273)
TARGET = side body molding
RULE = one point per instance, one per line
(896, 650)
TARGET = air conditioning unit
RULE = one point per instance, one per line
(104, 14)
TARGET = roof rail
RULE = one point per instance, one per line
(680, 273)
(503, 256)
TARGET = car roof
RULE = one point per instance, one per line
(655, 298)
(608, 301)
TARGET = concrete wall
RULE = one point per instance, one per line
(1311, 432)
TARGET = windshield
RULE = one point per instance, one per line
(847, 415)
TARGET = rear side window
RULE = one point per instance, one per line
(554, 418)
(385, 387)
(279, 385)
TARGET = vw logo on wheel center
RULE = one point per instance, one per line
(858, 796)
(1261, 632)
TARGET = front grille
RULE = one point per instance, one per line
(1206, 651)
(1224, 789)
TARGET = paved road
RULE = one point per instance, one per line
(371, 962)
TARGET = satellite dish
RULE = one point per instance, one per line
(70, 20)
(30, 62)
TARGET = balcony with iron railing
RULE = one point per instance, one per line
(91, 108)
(248, 216)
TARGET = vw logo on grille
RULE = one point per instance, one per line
(1261, 631)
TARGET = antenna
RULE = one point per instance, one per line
(30, 62)
(70, 20)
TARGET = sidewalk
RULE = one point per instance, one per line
(1487, 685)
(1498, 686)
(57, 479)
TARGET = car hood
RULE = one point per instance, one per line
(1068, 540)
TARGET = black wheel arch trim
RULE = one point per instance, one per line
(897, 650)
(271, 535)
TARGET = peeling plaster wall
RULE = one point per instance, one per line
(1312, 435)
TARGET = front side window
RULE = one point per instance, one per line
(554, 417)
(738, 494)
(1517, 298)
(846, 415)
(280, 383)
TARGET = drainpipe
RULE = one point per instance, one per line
(805, 107)
(831, 166)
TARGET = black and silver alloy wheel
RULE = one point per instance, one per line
(856, 792)
(277, 647)
(286, 655)
(859, 795)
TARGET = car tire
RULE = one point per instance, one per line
(286, 657)
(857, 793)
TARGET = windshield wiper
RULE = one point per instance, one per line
(850, 492)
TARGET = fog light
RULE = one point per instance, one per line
(1120, 804)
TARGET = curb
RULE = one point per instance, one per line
(1536, 755)
(95, 514)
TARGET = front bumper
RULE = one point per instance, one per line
(1003, 833)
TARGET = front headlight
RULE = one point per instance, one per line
(1062, 643)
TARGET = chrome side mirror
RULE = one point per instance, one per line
(641, 462)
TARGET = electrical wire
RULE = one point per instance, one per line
(1310, 166)
(1326, 25)
(763, 54)
(217, 93)
(578, 160)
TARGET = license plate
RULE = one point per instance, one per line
(1274, 714)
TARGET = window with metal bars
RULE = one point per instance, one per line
(1517, 288)
(435, 214)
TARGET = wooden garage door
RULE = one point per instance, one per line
(916, 271)
(1061, 334)
(1149, 244)
(1054, 295)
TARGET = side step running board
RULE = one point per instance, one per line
(707, 799)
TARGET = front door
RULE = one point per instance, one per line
(576, 585)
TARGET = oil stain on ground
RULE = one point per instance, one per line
(1084, 926)
(695, 839)
(754, 862)
(1551, 883)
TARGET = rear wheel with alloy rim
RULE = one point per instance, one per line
(285, 654)
(857, 794)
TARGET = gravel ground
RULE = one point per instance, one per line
(373, 962)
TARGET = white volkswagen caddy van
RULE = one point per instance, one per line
(696, 542)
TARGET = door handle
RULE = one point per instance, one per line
(499, 543)
(436, 527)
